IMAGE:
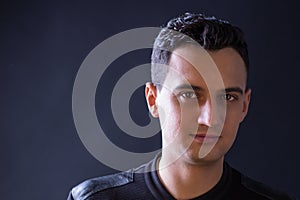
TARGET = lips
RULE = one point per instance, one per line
(204, 138)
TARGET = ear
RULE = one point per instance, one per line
(246, 103)
(151, 96)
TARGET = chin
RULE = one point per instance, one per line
(192, 156)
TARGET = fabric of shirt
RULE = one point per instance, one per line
(144, 183)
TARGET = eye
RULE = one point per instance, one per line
(188, 95)
(229, 97)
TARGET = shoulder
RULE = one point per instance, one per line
(116, 184)
(94, 185)
(262, 190)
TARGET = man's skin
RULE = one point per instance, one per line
(191, 174)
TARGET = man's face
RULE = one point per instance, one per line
(189, 117)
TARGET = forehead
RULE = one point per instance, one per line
(197, 67)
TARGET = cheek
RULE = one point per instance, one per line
(178, 120)
(234, 111)
(169, 116)
(229, 132)
(232, 122)
(184, 116)
(189, 121)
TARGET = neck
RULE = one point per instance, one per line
(184, 180)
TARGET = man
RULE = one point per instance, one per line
(200, 98)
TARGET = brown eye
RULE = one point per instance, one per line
(229, 97)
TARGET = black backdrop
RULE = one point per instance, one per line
(43, 43)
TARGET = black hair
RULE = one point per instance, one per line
(211, 33)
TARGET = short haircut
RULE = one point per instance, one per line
(211, 33)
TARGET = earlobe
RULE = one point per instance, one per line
(151, 96)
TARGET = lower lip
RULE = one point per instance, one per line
(202, 139)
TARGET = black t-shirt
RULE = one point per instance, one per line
(144, 183)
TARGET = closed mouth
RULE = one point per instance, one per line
(202, 137)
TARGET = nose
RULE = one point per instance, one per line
(205, 114)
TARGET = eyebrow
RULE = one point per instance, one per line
(187, 86)
(234, 89)
(198, 88)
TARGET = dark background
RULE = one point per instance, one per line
(43, 44)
